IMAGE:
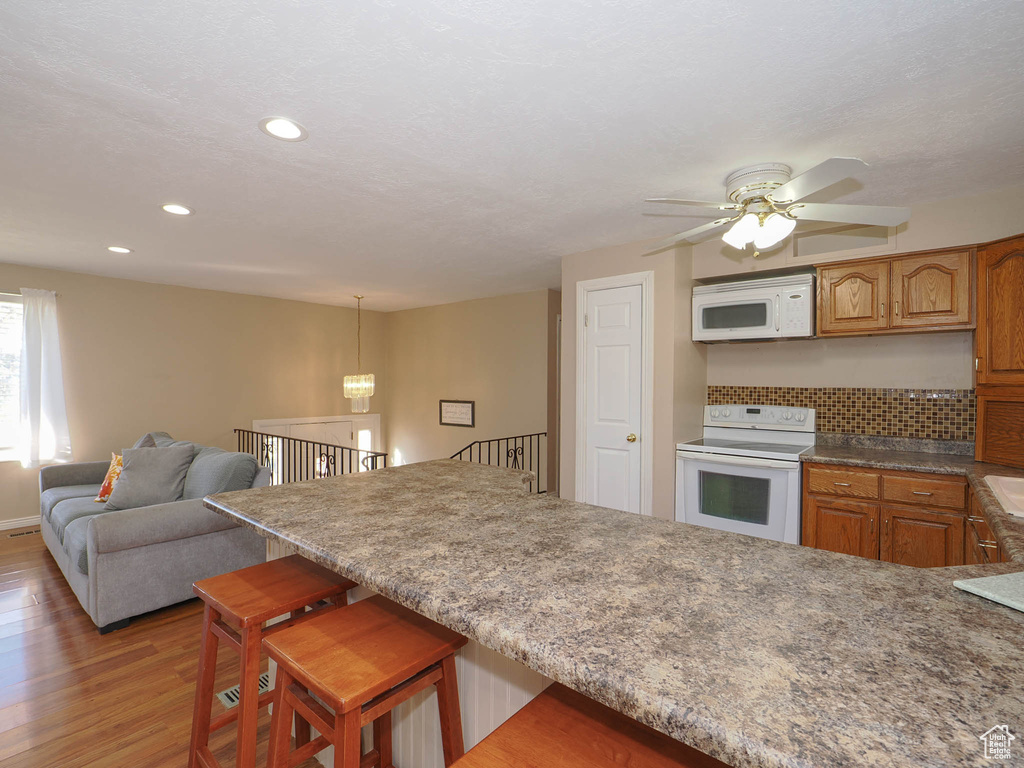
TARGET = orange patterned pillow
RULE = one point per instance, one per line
(112, 474)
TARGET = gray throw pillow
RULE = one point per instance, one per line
(215, 471)
(151, 476)
(146, 441)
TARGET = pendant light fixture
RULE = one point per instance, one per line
(359, 388)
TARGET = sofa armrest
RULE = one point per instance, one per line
(76, 473)
(130, 528)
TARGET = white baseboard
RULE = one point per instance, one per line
(20, 522)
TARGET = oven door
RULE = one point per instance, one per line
(758, 497)
(736, 315)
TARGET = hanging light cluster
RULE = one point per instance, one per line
(359, 388)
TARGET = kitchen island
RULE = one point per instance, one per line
(756, 652)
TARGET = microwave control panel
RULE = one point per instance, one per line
(797, 311)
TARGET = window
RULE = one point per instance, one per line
(10, 371)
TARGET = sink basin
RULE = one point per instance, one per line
(1010, 492)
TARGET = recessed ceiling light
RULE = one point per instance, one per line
(177, 210)
(283, 128)
(118, 249)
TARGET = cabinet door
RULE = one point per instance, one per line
(850, 527)
(922, 538)
(852, 299)
(1000, 426)
(999, 342)
(932, 291)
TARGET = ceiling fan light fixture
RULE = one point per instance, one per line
(773, 230)
(742, 232)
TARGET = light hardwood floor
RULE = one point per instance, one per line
(71, 698)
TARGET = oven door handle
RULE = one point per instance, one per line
(739, 461)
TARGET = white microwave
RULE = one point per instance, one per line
(772, 308)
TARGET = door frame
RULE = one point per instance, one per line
(646, 282)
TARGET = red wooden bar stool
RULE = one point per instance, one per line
(362, 661)
(566, 729)
(237, 606)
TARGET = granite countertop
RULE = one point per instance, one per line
(757, 652)
(1008, 529)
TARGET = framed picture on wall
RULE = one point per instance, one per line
(457, 413)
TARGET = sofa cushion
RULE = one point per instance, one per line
(51, 497)
(215, 470)
(151, 476)
(76, 543)
(154, 440)
(69, 510)
(146, 441)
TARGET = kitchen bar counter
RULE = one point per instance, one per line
(1008, 529)
(756, 652)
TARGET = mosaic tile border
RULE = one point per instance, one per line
(935, 414)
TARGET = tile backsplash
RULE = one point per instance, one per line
(939, 414)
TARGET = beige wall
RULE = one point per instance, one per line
(691, 363)
(917, 361)
(140, 357)
(672, 406)
(493, 351)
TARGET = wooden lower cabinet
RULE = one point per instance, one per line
(925, 529)
(921, 537)
(849, 527)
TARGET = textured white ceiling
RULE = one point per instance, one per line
(458, 148)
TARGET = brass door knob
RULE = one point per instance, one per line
(630, 438)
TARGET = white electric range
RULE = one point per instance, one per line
(743, 475)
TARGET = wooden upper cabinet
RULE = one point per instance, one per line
(917, 292)
(931, 291)
(852, 298)
(999, 343)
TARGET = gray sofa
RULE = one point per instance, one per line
(122, 563)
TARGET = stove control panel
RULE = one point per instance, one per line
(760, 417)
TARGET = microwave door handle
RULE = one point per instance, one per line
(778, 311)
(739, 461)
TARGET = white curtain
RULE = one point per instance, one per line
(44, 419)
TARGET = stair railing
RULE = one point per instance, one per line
(292, 460)
(528, 452)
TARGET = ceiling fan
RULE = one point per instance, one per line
(764, 207)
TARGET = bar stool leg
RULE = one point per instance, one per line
(382, 739)
(347, 746)
(451, 717)
(280, 723)
(203, 708)
(248, 699)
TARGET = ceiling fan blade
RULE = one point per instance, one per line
(692, 235)
(820, 176)
(694, 203)
(878, 215)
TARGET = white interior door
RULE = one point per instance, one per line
(614, 398)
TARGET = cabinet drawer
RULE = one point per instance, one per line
(927, 492)
(837, 482)
(982, 542)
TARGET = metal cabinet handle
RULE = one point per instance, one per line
(976, 519)
(630, 438)
(845, 485)
(897, 308)
(883, 309)
(989, 544)
(921, 493)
